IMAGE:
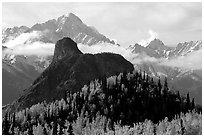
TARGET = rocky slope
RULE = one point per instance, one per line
(69, 71)
(18, 72)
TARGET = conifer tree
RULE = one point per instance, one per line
(188, 102)
(144, 76)
(65, 96)
(70, 129)
(179, 96)
(30, 129)
(44, 131)
(54, 128)
(159, 85)
(165, 88)
(5, 125)
(13, 124)
(192, 104)
(104, 84)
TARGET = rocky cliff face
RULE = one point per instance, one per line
(69, 71)
(65, 48)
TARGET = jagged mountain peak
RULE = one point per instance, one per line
(64, 48)
(185, 48)
(70, 17)
(133, 47)
(74, 17)
(136, 44)
(136, 47)
(15, 29)
(156, 43)
(23, 27)
(67, 25)
(190, 43)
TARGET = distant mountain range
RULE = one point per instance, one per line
(19, 71)
(157, 49)
(186, 80)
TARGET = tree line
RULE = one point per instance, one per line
(126, 99)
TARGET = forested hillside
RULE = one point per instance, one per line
(130, 103)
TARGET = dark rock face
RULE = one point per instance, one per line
(69, 71)
(65, 48)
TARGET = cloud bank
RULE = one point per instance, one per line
(125, 52)
(29, 44)
(191, 61)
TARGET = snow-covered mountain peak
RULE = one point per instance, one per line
(70, 17)
(159, 50)
(185, 48)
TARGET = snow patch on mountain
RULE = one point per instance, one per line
(9, 58)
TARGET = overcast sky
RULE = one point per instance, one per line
(127, 22)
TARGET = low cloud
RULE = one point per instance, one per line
(106, 47)
(28, 44)
(191, 61)
(125, 52)
(153, 35)
(142, 57)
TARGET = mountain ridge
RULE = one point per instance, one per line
(46, 33)
(177, 76)
(156, 48)
(68, 25)
(69, 73)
